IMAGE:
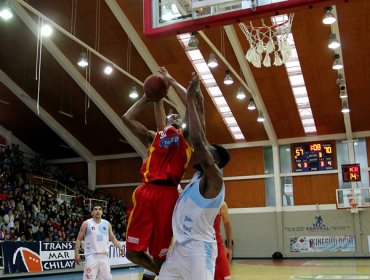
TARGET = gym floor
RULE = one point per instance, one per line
(266, 269)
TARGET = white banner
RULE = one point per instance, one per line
(314, 244)
(114, 257)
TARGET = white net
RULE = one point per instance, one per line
(266, 42)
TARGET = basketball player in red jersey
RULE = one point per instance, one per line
(149, 224)
(222, 271)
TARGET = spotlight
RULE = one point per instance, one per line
(333, 43)
(260, 118)
(46, 30)
(345, 107)
(5, 12)
(133, 94)
(339, 81)
(329, 17)
(343, 92)
(228, 79)
(108, 69)
(193, 41)
(251, 105)
(82, 61)
(337, 64)
(212, 61)
(240, 94)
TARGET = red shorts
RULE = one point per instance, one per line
(222, 270)
(150, 221)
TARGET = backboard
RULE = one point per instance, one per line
(353, 198)
(173, 17)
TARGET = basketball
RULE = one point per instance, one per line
(155, 87)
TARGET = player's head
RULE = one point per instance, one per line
(97, 210)
(220, 155)
(174, 120)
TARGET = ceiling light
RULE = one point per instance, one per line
(82, 61)
(193, 41)
(329, 17)
(212, 61)
(343, 92)
(337, 64)
(228, 79)
(251, 105)
(333, 43)
(133, 94)
(240, 94)
(6, 13)
(46, 30)
(260, 118)
(108, 69)
(345, 107)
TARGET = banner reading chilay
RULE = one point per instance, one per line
(314, 244)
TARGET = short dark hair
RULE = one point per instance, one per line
(223, 156)
(96, 204)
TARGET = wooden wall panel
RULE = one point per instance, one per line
(118, 171)
(310, 190)
(246, 161)
(123, 193)
(246, 193)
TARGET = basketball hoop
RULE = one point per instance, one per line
(265, 40)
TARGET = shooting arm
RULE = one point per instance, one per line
(138, 129)
(160, 115)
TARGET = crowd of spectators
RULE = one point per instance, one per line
(30, 212)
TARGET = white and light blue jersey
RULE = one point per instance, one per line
(96, 237)
(194, 215)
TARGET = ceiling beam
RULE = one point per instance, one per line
(81, 81)
(47, 118)
(143, 51)
(252, 85)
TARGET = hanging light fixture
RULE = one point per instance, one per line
(228, 79)
(260, 118)
(193, 41)
(329, 17)
(251, 105)
(345, 107)
(343, 92)
(6, 12)
(337, 64)
(133, 93)
(82, 61)
(108, 69)
(333, 43)
(240, 93)
(212, 61)
(46, 30)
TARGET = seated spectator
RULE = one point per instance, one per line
(40, 234)
(2, 232)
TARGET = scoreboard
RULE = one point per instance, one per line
(351, 172)
(313, 157)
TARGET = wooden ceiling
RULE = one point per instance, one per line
(97, 101)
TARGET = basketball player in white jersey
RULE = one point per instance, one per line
(97, 233)
(194, 251)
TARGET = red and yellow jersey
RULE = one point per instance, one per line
(168, 157)
(217, 227)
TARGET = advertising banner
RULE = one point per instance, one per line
(37, 256)
(315, 244)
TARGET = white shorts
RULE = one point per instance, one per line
(97, 265)
(192, 260)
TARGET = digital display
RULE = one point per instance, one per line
(313, 157)
(351, 172)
